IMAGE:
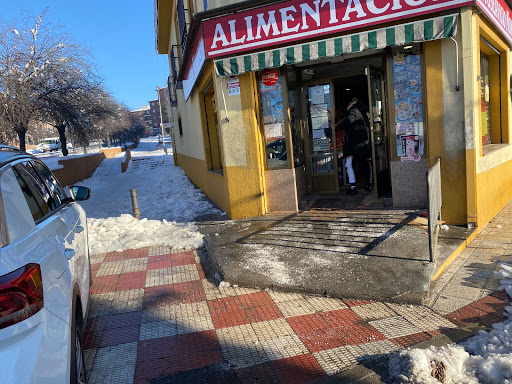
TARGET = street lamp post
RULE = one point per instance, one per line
(161, 122)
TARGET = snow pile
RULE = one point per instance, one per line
(168, 203)
(163, 190)
(116, 234)
(483, 358)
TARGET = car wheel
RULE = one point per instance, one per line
(78, 375)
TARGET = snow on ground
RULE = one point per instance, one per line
(483, 358)
(168, 203)
(51, 159)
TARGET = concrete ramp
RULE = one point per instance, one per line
(359, 254)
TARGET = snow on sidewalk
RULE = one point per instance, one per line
(168, 203)
(483, 358)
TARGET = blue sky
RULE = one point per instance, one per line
(119, 34)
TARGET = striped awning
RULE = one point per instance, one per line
(424, 30)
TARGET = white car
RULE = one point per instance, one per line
(51, 144)
(45, 274)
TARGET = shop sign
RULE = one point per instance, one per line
(233, 85)
(296, 20)
(194, 66)
(269, 77)
(499, 12)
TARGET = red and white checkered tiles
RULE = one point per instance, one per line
(153, 314)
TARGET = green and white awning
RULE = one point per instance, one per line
(424, 30)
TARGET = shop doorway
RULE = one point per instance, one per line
(324, 106)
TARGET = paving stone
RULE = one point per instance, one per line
(114, 364)
(100, 304)
(324, 304)
(127, 301)
(273, 329)
(97, 259)
(161, 276)
(373, 311)
(422, 317)
(392, 327)
(296, 307)
(240, 346)
(301, 369)
(341, 358)
(445, 305)
(212, 292)
(281, 297)
(461, 291)
(284, 347)
(158, 329)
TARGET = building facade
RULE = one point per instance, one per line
(143, 115)
(256, 89)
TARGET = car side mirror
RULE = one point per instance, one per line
(79, 193)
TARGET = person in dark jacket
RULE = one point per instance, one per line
(356, 146)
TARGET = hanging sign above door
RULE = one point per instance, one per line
(296, 20)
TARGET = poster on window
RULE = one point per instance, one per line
(410, 147)
(321, 145)
(233, 85)
(273, 131)
(408, 101)
(272, 102)
(317, 95)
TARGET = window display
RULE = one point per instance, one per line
(273, 118)
(408, 106)
(319, 103)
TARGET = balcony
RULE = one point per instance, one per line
(173, 100)
(183, 23)
(175, 66)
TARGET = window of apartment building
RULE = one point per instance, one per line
(211, 129)
(492, 78)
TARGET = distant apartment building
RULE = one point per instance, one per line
(154, 112)
(144, 116)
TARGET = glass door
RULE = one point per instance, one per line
(379, 132)
(321, 167)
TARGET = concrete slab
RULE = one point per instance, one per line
(362, 254)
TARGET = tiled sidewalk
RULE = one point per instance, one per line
(154, 315)
(467, 287)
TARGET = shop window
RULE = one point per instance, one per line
(490, 95)
(211, 132)
(273, 119)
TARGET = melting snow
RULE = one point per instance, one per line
(168, 203)
(483, 358)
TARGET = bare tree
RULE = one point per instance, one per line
(42, 74)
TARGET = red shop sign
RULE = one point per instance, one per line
(499, 12)
(296, 20)
(269, 77)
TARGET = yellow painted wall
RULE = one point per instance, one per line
(441, 141)
(493, 169)
(213, 185)
(494, 191)
(244, 176)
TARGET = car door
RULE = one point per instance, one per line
(55, 222)
(73, 215)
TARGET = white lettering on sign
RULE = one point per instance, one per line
(499, 12)
(295, 20)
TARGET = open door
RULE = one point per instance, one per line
(321, 167)
(379, 132)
